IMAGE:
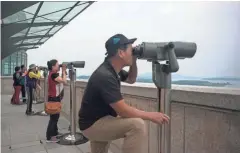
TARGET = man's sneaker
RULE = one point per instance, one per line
(34, 102)
(53, 139)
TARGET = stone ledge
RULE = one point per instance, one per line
(223, 98)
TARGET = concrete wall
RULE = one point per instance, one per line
(203, 119)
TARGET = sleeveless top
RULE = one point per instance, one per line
(55, 89)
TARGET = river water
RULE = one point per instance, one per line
(234, 84)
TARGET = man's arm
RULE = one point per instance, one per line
(110, 91)
(132, 73)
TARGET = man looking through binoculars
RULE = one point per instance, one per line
(104, 116)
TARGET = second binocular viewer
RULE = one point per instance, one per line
(76, 64)
(159, 51)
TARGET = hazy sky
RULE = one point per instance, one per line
(214, 26)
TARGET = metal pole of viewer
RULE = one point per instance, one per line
(45, 92)
(45, 74)
(72, 138)
(162, 79)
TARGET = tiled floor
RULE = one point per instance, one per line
(26, 134)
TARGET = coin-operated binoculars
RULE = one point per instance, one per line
(161, 76)
(45, 91)
(73, 138)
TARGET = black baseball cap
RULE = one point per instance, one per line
(115, 42)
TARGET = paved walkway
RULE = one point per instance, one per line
(26, 134)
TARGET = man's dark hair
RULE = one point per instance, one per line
(17, 68)
(22, 66)
(51, 63)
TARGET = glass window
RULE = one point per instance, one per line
(32, 34)
(44, 39)
(19, 61)
(31, 40)
(42, 19)
(23, 47)
(49, 7)
(13, 58)
(43, 32)
(55, 29)
(75, 11)
(54, 16)
(32, 9)
(9, 63)
(21, 33)
(6, 69)
(40, 28)
(21, 15)
(19, 42)
(26, 21)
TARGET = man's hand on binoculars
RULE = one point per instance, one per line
(158, 117)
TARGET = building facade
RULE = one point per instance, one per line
(10, 62)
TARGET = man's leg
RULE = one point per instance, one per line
(23, 93)
(13, 96)
(99, 146)
(110, 128)
(28, 99)
(31, 99)
(34, 99)
(29, 102)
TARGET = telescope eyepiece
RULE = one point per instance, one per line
(171, 45)
(137, 51)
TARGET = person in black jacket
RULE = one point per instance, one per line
(17, 86)
(23, 82)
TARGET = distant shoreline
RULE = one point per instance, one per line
(210, 82)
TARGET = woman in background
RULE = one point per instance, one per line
(23, 82)
(31, 84)
(55, 94)
(36, 89)
(17, 86)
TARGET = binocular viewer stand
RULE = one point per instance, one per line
(72, 138)
(161, 76)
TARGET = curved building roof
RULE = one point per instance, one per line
(28, 24)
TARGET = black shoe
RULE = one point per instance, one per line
(59, 135)
(30, 113)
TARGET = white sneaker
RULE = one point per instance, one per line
(53, 139)
(34, 102)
